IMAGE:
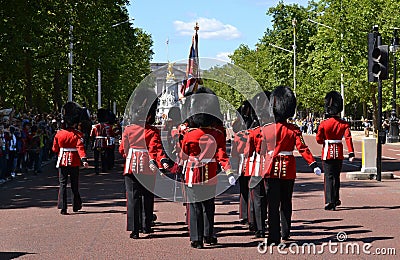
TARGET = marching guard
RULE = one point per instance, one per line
(141, 147)
(103, 140)
(203, 148)
(69, 145)
(279, 164)
(330, 134)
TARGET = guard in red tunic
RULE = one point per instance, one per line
(330, 134)
(256, 184)
(279, 165)
(68, 144)
(142, 149)
(103, 140)
(241, 136)
(203, 148)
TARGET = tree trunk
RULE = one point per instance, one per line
(57, 90)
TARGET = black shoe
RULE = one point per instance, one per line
(76, 209)
(134, 235)
(243, 221)
(286, 239)
(330, 206)
(148, 231)
(197, 244)
(210, 240)
(63, 212)
(259, 234)
(252, 227)
(338, 203)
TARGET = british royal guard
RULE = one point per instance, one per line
(279, 165)
(330, 134)
(203, 148)
(69, 145)
(142, 149)
(103, 141)
(256, 183)
(241, 136)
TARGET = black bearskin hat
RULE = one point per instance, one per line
(144, 106)
(72, 113)
(245, 117)
(111, 117)
(333, 103)
(102, 115)
(261, 107)
(204, 108)
(283, 103)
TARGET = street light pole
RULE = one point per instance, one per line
(99, 70)
(341, 60)
(294, 22)
(71, 46)
(393, 136)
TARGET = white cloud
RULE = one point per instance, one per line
(224, 56)
(209, 29)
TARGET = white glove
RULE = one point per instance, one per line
(231, 180)
(351, 159)
(317, 171)
(153, 168)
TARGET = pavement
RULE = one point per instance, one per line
(365, 226)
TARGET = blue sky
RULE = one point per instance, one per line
(224, 25)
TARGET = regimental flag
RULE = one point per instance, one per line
(190, 84)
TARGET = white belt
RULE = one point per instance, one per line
(68, 150)
(62, 150)
(204, 160)
(333, 141)
(285, 153)
(327, 142)
(101, 137)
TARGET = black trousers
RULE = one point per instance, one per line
(279, 199)
(140, 201)
(244, 197)
(106, 156)
(332, 169)
(258, 195)
(63, 173)
(201, 211)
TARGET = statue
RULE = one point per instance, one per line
(170, 74)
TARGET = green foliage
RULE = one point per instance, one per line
(35, 47)
(319, 51)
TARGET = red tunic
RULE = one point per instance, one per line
(104, 135)
(239, 143)
(68, 144)
(330, 134)
(141, 146)
(278, 142)
(202, 150)
(252, 155)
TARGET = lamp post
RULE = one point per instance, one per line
(294, 22)
(71, 47)
(341, 60)
(99, 70)
(393, 135)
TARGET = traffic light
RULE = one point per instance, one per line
(380, 58)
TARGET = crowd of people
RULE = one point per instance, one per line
(26, 141)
